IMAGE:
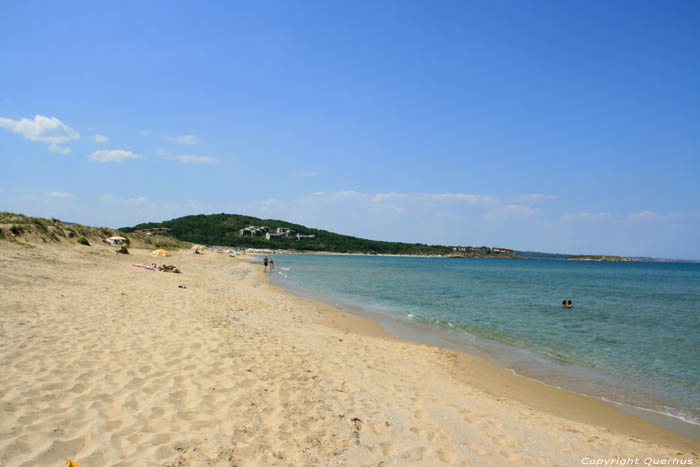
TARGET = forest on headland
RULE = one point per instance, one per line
(224, 229)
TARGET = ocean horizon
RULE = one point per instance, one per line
(631, 338)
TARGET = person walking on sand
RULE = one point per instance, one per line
(272, 264)
(265, 260)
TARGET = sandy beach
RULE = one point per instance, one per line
(113, 365)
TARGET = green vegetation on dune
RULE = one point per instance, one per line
(25, 230)
(224, 229)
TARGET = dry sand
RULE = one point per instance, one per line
(112, 365)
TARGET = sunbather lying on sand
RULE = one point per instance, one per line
(166, 268)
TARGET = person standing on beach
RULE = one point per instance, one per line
(272, 264)
(265, 260)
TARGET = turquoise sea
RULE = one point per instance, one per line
(633, 335)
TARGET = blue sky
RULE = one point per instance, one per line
(553, 126)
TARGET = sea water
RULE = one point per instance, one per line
(633, 335)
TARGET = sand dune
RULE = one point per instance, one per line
(112, 365)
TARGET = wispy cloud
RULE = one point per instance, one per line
(448, 217)
(41, 128)
(56, 148)
(59, 195)
(509, 211)
(127, 201)
(439, 198)
(586, 216)
(185, 139)
(532, 198)
(462, 197)
(338, 195)
(101, 139)
(645, 216)
(190, 159)
(112, 155)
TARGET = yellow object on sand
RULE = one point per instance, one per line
(70, 463)
(160, 253)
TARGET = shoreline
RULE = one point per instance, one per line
(634, 259)
(679, 414)
(424, 333)
(108, 364)
(529, 390)
(390, 255)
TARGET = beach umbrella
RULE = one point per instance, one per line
(160, 253)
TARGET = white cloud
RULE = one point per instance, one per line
(186, 139)
(128, 201)
(59, 195)
(101, 139)
(189, 159)
(45, 129)
(112, 155)
(56, 148)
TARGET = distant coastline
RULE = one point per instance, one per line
(606, 258)
(214, 230)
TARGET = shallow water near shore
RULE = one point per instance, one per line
(633, 336)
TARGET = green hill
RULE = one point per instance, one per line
(224, 229)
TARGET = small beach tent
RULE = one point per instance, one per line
(160, 253)
(116, 240)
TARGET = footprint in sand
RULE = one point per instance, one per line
(477, 449)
